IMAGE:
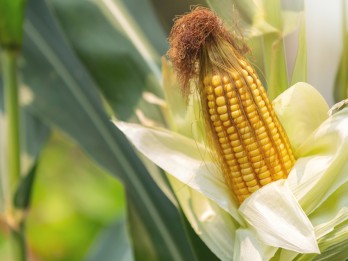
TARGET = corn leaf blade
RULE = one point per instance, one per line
(104, 247)
(118, 67)
(299, 73)
(341, 80)
(72, 88)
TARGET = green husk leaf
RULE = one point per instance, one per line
(331, 213)
(182, 118)
(301, 109)
(299, 73)
(104, 247)
(322, 166)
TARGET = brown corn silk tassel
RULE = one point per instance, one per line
(252, 147)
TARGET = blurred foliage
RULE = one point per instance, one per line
(72, 200)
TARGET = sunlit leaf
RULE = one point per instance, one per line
(301, 109)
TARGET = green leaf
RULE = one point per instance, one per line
(333, 246)
(332, 213)
(105, 247)
(181, 116)
(275, 65)
(250, 12)
(66, 96)
(11, 23)
(122, 67)
(299, 73)
(23, 192)
(73, 199)
(341, 80)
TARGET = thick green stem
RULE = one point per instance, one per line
(12, 112)
(18, 244)
(13, 149)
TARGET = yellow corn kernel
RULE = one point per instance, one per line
(253, 146)
(218, 91)
(220, 101)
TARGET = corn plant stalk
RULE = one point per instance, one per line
(11, 21)
(11, 108)
(13, 148)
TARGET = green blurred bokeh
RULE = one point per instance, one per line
(72, 201)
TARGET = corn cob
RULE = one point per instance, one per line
(250, 140)
(252, 147)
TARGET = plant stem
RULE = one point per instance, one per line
(12, 112)
(18, 243)
(9, 66)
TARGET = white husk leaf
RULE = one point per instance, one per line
(278, 220)
(184, 159)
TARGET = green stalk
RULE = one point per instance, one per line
(18, 244)
(11, 109)
(341, 81)
(11, 34)
(9, 57)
